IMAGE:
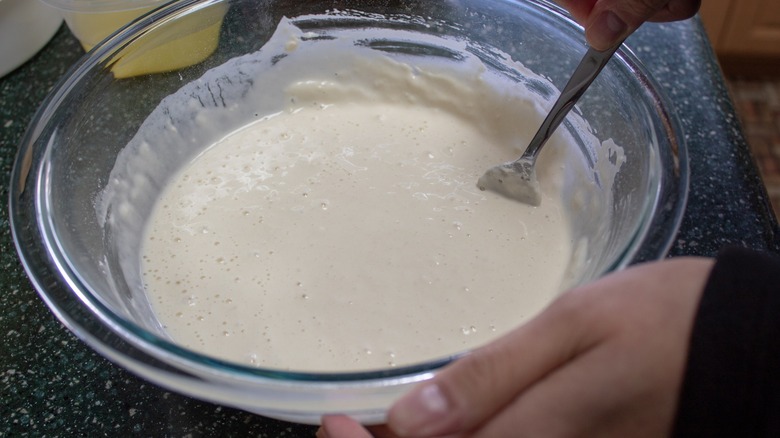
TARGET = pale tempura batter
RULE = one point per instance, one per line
(348, 237)
(339, 226)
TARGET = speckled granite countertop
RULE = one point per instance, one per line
(51, 384)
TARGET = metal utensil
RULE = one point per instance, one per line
(517, 179)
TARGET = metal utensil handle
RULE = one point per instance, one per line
(590, 66)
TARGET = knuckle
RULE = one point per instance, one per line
(683, 9)
(480, 371)
(645, 8)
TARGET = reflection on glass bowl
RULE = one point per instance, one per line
(68, 155)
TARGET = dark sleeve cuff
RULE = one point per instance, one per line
(731, 385)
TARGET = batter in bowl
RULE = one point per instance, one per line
(339, 227)
(348, 237)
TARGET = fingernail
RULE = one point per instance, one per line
(321, 433)
(606, 30)
(421, 412)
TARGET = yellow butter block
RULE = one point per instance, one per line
(163, 47)
(92, 27)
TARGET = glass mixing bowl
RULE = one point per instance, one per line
(67, 156)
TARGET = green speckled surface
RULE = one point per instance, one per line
(51, 384)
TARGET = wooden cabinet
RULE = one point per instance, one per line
(743, 27)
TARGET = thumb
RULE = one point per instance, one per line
(611, 21)
(477, 386)
(607, 28)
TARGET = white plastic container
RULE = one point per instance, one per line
(91, 21)
(25, 27)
